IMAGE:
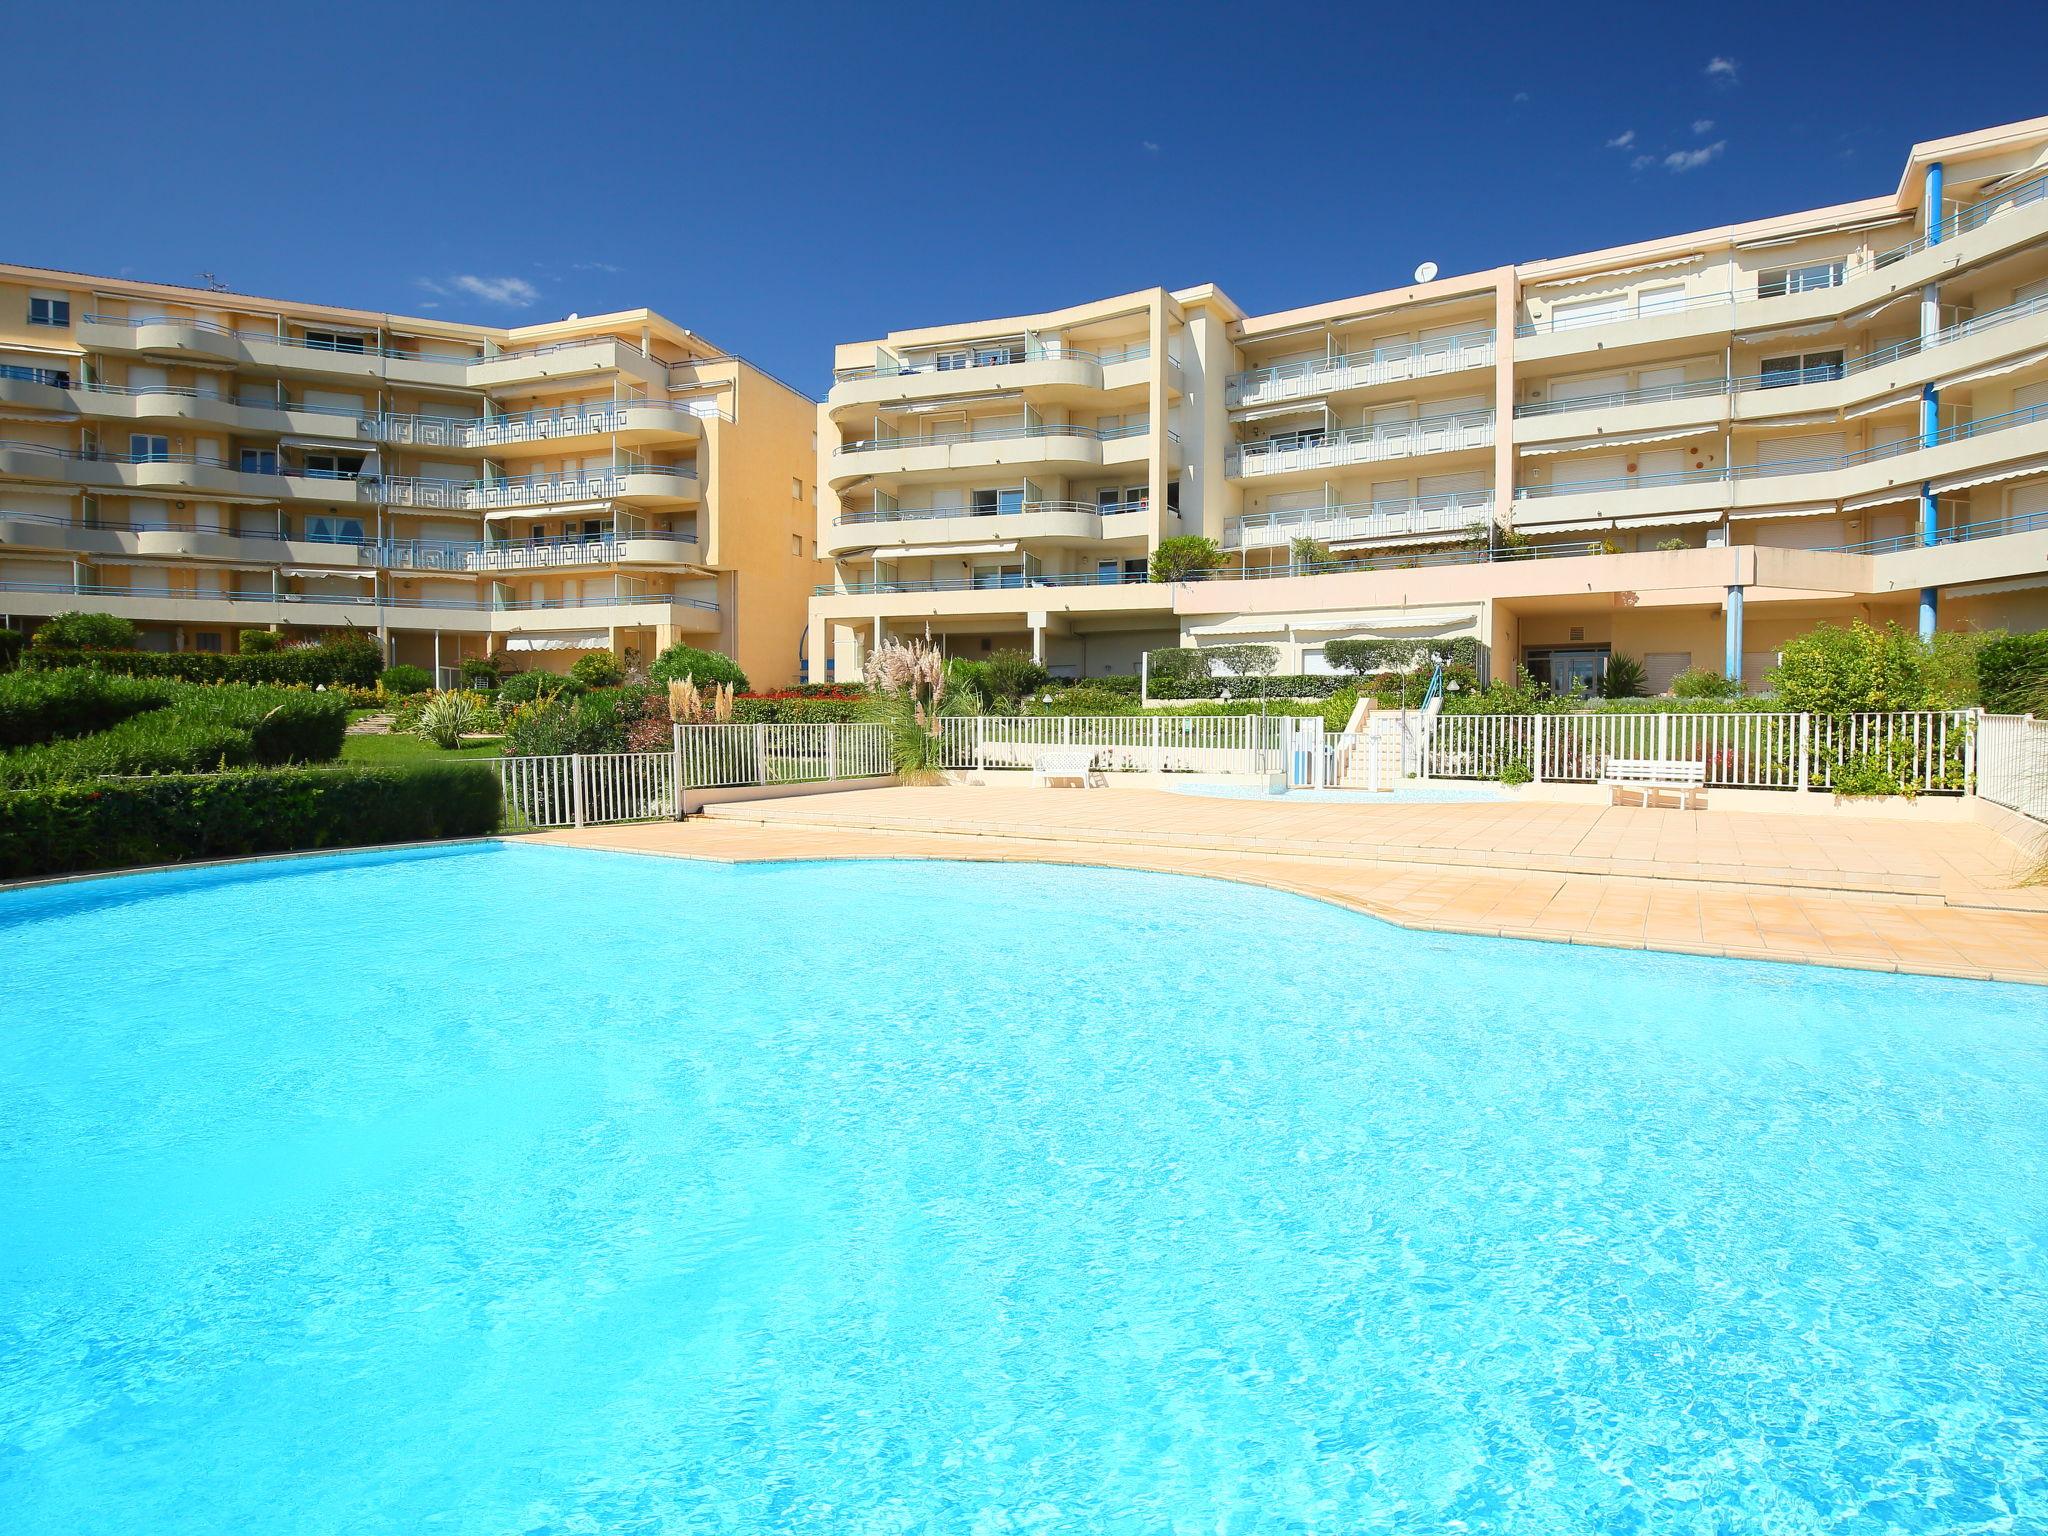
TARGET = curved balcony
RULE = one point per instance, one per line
(197, 475)
(525, 555)
(1060, 448)
(624, 421)
(35, 389)
(908, 531)
(1312, 453)
(349, 358)
(564, 360)
(1316, 378)
(640, 485)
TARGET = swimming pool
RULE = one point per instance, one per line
(509, 1188)
(1404, 794)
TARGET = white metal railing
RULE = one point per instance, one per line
(1122, 743)
(1362, 445)
(1450, 513)
(535, 490)
(529, 427)
(1380, 365)
(726, 756)
(2012, 763)
(585, 789)
(1742, 749)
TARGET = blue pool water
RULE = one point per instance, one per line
(513, 1189)
(1404, 794)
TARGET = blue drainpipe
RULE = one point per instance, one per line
(1930, 407)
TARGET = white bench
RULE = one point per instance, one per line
(1063, 763)
(1652, 776)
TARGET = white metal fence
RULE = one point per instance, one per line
(1122, 743)
(589, 789)
(2012, 763)
(1932, 750)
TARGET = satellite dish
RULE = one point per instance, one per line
(1426, 272)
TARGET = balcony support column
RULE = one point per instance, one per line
(1732, 661)
(1930, 399)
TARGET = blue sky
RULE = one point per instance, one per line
(784, 177)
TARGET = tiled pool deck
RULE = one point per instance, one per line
(1930, 896)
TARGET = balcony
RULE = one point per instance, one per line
(1059, 446)
(635, 548)
(629, 421)
(1299, 452)
(1041, 373)
(344, 357)
(903, 531)
(1411, 520)
(643, 485)
(1317, 377)
(200, 475)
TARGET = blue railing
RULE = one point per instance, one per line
(349, 600)
(998, 435)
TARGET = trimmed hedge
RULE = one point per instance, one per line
(48, 706)
(350, 661)
(1300, 685)
(173, 819)
(208, 728)
(2012, 674)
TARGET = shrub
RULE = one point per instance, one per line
(1308, 555)
(1624, 678)
(1672, 544)
(598, 669)
(85, 632)
(11, 642)
(402, 680)
(351, 661)
(1185, 557)
(1360, 655)
(1834, 671)
(772, 711)
(1705, 683)
(2012, 673)
(481, 671)
(1287, 685)
(48, 706)
(1245, 661)
(592, 722)
(258, 642)
(1175, 665)
(1083, 699)
(707, 667)
(1009, 675)
(208, 728)
(174, 818)
(446, 717)
(525, 687)
(1516, 771)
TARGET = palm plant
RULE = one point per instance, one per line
(912, 699)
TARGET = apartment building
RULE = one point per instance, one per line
(1686, 450)
(205, 462)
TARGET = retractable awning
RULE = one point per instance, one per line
(559, 640)
(1884, 498)
(1619, 440)
(1754, 514)
(2024, 469)
(538, 510)
(1611, 524)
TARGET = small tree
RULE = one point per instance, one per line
(1309, 555)
(707, 667)
(598, 669)
(1185, 557)
(481, 672)
(1358, 655)
(1624, 678)
(1009, 675)
(84, 632)
(258, 642)
(404, 679)
(1173, 665)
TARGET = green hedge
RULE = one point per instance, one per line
(172, 819)
(2012, 674)
(207, 728)
(47, 706)
(350, 661)
(1302, 685)
(11, 642)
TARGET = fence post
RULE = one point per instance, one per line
(676, 766)
(1536, 767)
(1158, 751)
(1805, 751)
(576, 786)
(1971, 723)
(760, 754)
(831, 749)
(1663, 738)
(980, 743)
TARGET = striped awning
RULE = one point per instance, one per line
(1618, 440)
(1884, 498)
(2022, 470)
(1611, 524)
(560, 640)
(1756, 514)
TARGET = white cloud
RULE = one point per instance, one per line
(594, 266)
(1692, 159)
(1521, 96)
(1703, 125)
(511, 292)
(1623, 139)
(1641, 161)
(1148, 146)
(1723, 71)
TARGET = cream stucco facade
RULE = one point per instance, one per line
(1686, 450)
(205, 462)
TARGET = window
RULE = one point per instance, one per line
(207, 641)
(998, 576)
(259, 461)
(1801, 368)
(334, 341)
(1004, 352)
(144, 449)
(56, 378)
(796, 546)
(333, 466)
(1774, 281)
(1111, 573)
(334, 530)
(946, 362)
(49, 311)
(796, 488)
(593, 530)
(1658, 301)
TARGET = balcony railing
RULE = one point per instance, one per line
(943, 514)
(528, 491)
(1821, 374)
(1415, 560)
(1389, 519)
(366, 600)
(1818, 464)
(1006, 433)
(515, 555)
(351, 346)
(1380, 365)
(970, 358)
(1363, 445)
(531, 427)
(55, 378)
(1963, 220)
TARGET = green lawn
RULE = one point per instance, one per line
(411, 749)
